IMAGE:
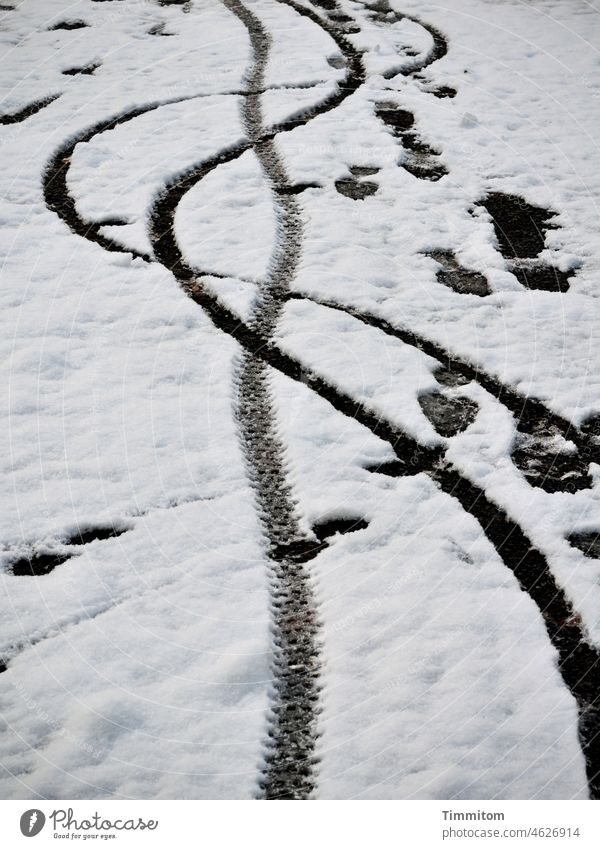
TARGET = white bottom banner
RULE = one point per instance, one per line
(293, 826)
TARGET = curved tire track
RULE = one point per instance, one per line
(382, 12)
(579, 663)
(292, 732)
(531, 414)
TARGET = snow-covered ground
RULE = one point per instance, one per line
(142, 666)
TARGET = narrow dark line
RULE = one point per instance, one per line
(38, 563)
(439, 49)
(575, 653)
(415, 457)
(382, 11)
(54, 181)
(68, 25)
(292, 731)
(355, 71)
(578, 660)
(530, 413)
(81, 69)
(28, 111)
(41, 563)
(56, 191)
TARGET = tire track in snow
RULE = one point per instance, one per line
(578, 660)
(294, 710)
(289, 759)
(579, 663)
(532, 415)
(296, 662)
(59, 199)
(382, 12)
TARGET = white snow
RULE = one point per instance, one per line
(141, 667)
(226, 223)
(440, 682)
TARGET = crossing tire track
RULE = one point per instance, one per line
(289, 770)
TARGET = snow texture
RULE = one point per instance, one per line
(141, 667)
